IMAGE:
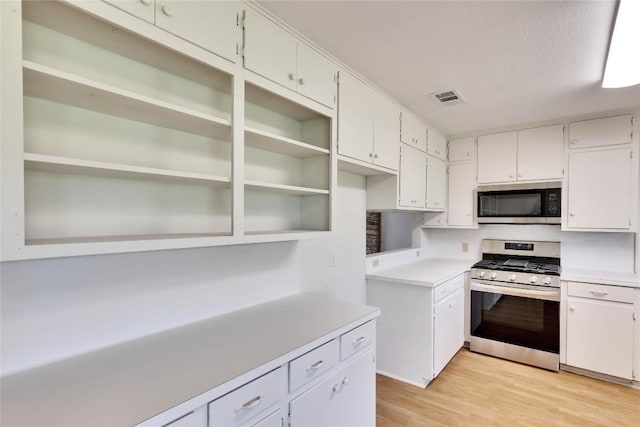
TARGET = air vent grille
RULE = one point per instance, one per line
(447, 97)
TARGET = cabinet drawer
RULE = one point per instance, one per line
(601, 292)
(251, 399)
(313, 364)
(356, 340)
(448, 287)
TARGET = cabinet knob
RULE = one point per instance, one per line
(468, 154)
(147, 2)
(571, 214)
(167, 10)
(574, 141)
(345, 381)
(370, 154)
(336, 387)
(375, 156)
(519, 175)
(301, 81)
(571, 308)
(511, 176)
(437, 151)
(291, 76)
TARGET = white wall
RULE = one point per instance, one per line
(614, 252)
(56, 308)
(346, 279)
(396, 229)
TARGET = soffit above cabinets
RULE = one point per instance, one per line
(515, 62)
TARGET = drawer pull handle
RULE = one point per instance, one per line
(252, 403)
(316, 365)
(359, 341)
(599, 294)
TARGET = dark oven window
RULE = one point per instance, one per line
(515, 320)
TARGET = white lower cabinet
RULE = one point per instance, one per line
(333, 384)
(601, 329)
(448, 329)
(421, 328)
(346, 398)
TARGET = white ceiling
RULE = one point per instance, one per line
(514, 62)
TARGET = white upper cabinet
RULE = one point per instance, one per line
(524, 155)
(601, 132)
(540, 153)
(462, 149)
(436, 145)
(316, 78)
(413, 177)
(211, 25)
(367, 124)
(412, 131)
(275, 54)
(386, 133)
(461, 185)
(497, 157)
(269, 50)
(599, 189)
(436, 184)
(143, 9)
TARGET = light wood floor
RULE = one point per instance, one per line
(479, 390)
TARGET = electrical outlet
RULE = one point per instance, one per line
(375, 262)
(332, 260)
(465, 247)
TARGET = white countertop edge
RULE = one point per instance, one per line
(394, 274)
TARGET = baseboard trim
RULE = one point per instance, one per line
(404, 380)
(600, 376)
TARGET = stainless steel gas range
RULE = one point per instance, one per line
(515, 302)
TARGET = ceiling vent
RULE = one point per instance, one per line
(447, 97)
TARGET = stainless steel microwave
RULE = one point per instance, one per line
(519, 204)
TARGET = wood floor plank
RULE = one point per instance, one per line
(479, 390)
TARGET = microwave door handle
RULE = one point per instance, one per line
(516, 292)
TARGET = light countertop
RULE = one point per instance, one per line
(428, 272)
(128, 383)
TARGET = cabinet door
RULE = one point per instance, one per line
(413, 176)
(436, 183)
(497, 157)
(599, 189)
(600, 336)
(436, 145)
(412, 131)
(316, 76)
(601, 132)
(386, 133)
(448, 330)
(355, 120)
(461, 185)
(540, 153)
(143, 9)
(269, 50)
(462, 149)
(211, 25)
(344, 399)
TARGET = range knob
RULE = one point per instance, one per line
(547, 280)
(481, 273)
(512, 277)
(533, 279)
(494, 275)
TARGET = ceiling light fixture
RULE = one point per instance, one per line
(623, 62)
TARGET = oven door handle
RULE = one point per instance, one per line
(553, 295)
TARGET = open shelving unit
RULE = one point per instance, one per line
(123, 140)
(287, 165)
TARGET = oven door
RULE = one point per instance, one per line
(516, 316)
